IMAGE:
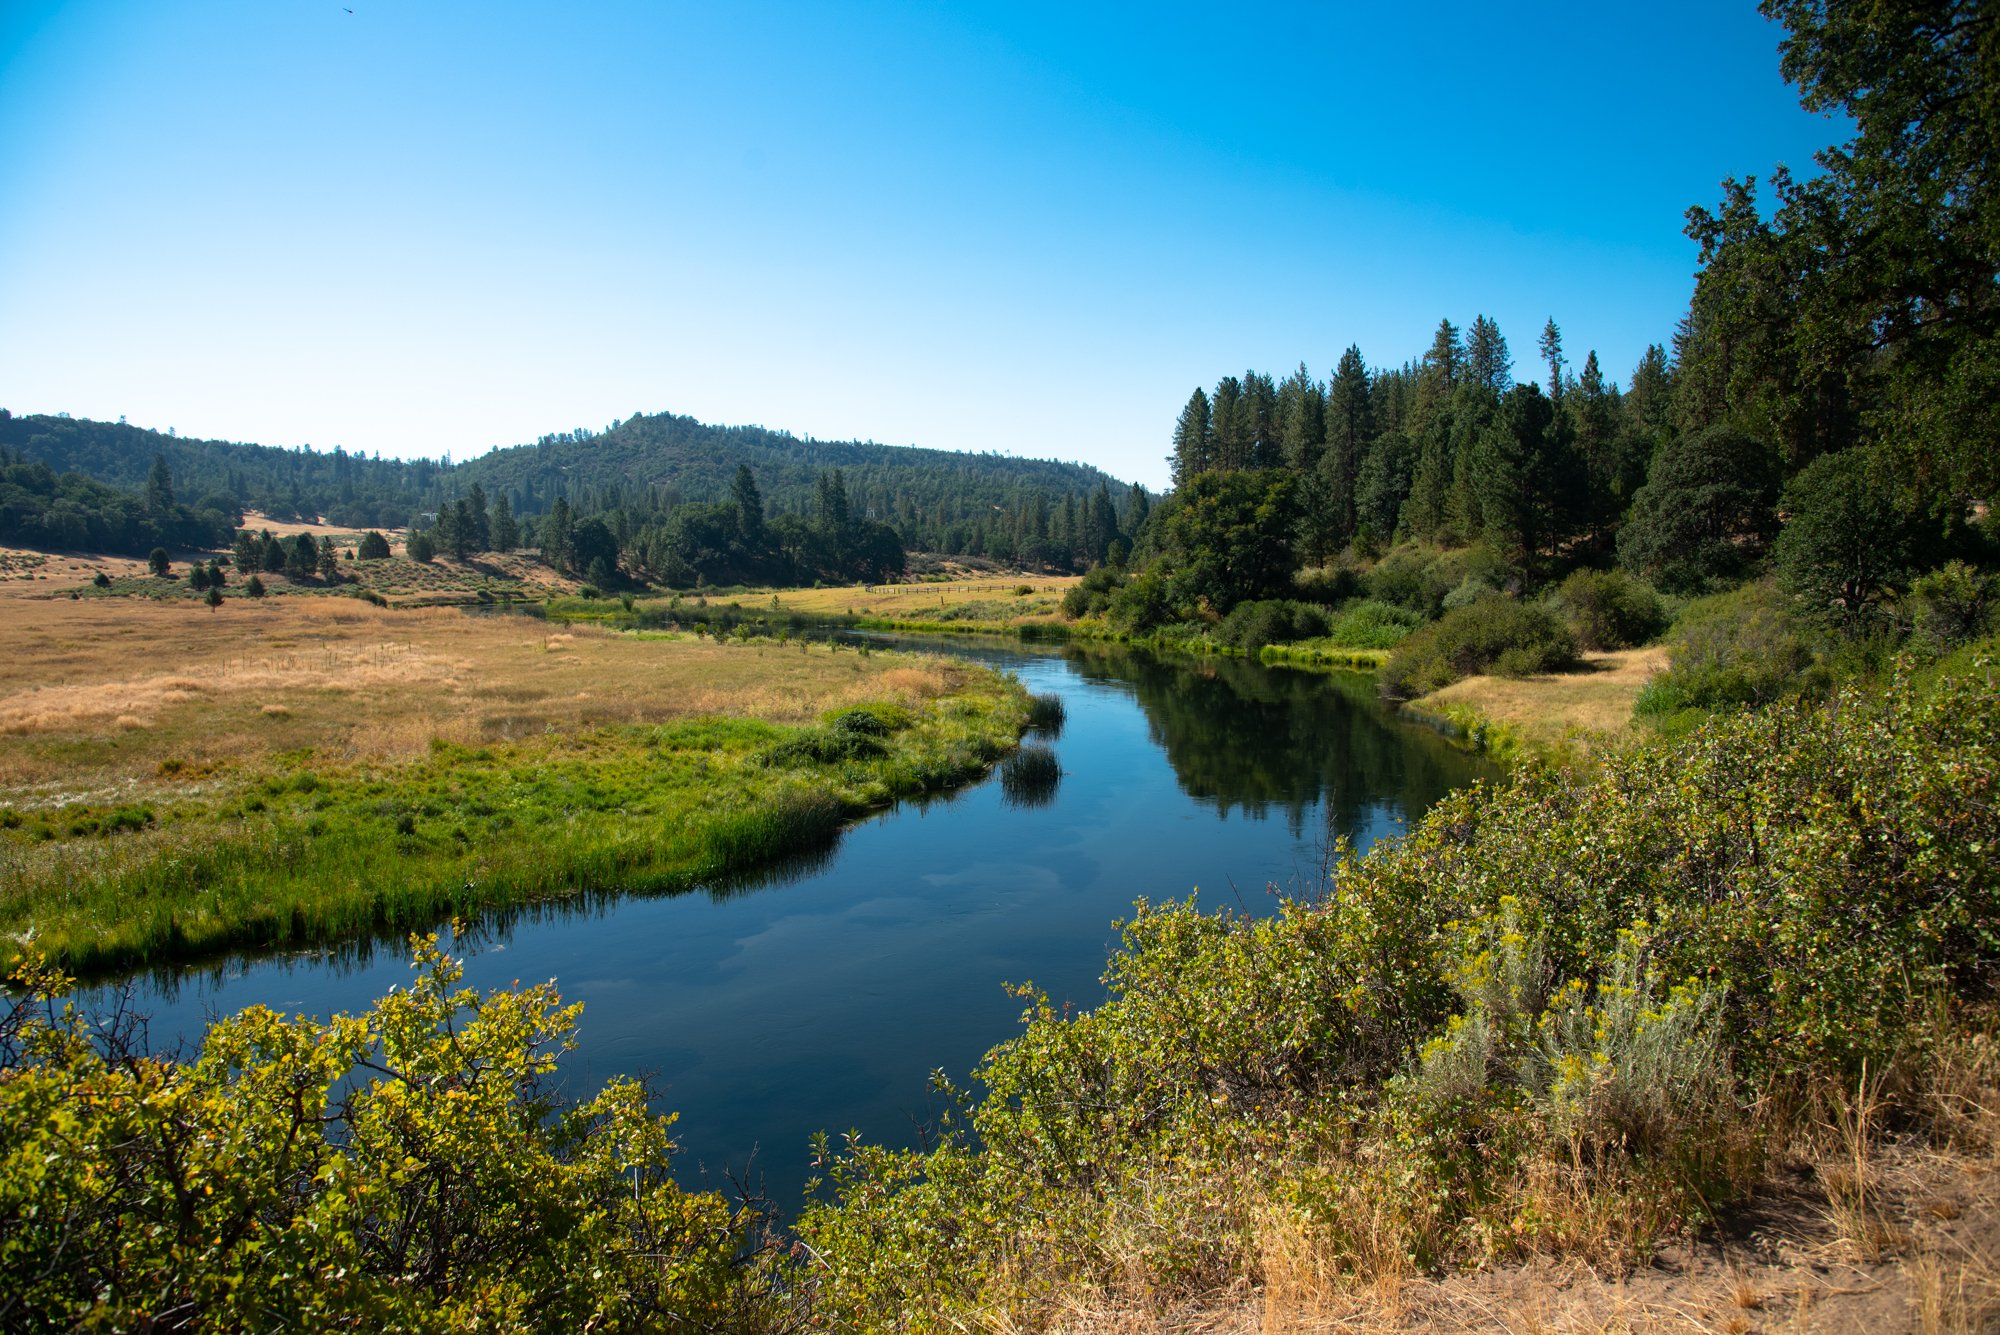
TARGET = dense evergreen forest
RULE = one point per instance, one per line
(653, 482)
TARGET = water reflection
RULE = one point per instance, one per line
(1030, 777)
(1247, 738)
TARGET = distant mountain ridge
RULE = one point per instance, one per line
(645, 462)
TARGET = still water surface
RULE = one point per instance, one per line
(821, 996)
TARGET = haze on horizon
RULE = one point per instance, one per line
(420, 230)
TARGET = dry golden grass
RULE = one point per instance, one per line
(1581, 709)
(105, 692)
(917, 602)
(1883, 1232)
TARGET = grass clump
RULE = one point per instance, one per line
(1047, 714)
(1493, 633)
(1543, 1023)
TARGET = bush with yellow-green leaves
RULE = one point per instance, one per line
(409, 1169)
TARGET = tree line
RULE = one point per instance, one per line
(632, 475)
(1828, 403)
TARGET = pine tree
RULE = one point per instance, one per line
(1194, 440)
(478, 523)
(749, 507)
(1260, 396)
(1552, 354)
(159, 488)
(1350, 427)
(557, 530)
(1302, 420)
(1487, 361)
(1233, 427)
(506, 531)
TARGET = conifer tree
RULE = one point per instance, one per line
(1487, 361)
(1194, 440)
(1233, 427)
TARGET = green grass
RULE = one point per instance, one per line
(310, 852)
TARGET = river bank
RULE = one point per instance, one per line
(176, 781)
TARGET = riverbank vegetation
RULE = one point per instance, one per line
(1571, 1017)
(320, 769)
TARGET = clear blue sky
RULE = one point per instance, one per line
(434, 227)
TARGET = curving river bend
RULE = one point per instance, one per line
(821, 996)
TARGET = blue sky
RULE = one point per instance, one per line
(429, 228)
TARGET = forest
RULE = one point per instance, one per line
(636, 478)
(1797, 479)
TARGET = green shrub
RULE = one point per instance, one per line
(1366, 623)
(1144, 603)
(412, 1168)
(1952, 605)
(1253, 625)
(1608, 609)
(1735, 649)
(1328, 586)
(1092, 594)
(1420, 578)
(1498, 634)
(1562, 993)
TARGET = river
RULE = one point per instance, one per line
(821, 995)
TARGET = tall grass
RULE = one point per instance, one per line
(317, 854)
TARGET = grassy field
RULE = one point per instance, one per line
(1565, 712)
(991, 602)
(175, 779)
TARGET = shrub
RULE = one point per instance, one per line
(420, 547)
(1540, 1012)
(1144, 603)
(1421, 579)
(1092, 594)
(1504, 635)
(1367, 623)
(1734, 649)
(255, 588)
(1253, 625)
(1608, 609)
(1328, 586)
(411, 1168)
(373, 546)
(1952, 605)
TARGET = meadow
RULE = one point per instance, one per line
(176, 780)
